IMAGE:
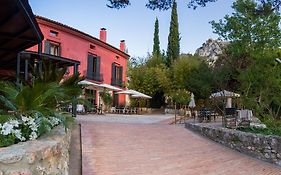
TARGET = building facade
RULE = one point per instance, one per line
(100, 62)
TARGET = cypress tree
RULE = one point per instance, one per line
(173, 50)
(156, 42)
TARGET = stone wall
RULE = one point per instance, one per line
(267, 148)
(48, 155)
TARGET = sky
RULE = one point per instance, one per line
(135, 24)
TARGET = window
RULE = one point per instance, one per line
(94, 64)
(92, 46)
(54, 49)
(118, 73)
(93, 68)
(91, 95)
(54, 33)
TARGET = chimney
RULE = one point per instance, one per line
(122, 45)
(103, 34)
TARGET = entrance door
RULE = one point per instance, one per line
(115, 100)
(91, 96)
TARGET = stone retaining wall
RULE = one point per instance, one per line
(267, 148)
(48, 155)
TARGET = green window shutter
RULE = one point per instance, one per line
(97, 73)
(90, 66)
(121, 74)
(98, 65)
(59, 50)
(47, 47)
(113, 82)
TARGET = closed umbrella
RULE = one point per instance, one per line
(192, 101)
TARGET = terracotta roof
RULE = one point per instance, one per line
(83, 33)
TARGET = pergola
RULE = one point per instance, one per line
(18, 31)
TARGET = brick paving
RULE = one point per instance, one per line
(160, 149)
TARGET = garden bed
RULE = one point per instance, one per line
(264, 147)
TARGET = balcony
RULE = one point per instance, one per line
(116, 82)
(95, 76)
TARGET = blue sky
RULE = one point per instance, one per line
(135, 24)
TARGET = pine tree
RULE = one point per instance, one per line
(173, 49)
(156, 44)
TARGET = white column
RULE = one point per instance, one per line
(98, 97)
(229, 102)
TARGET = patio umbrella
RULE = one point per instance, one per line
(192, 101)
(140, 96)
(89, 84)
(109, 87)
(134, 93)
(129, 92)
(226, 94)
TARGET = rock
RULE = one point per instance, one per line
(258, 125)
(255, 120)
(211, 49)
(10, 158)
(267, 155)
(31, 157)
(47, 153)
(19, 172)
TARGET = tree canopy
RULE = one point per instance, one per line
(271, 5)
(250, 56)
(173, 49)
(156, 41)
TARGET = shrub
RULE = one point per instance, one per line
(31, 110)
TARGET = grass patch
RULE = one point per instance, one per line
(267, 131)
(273, 127)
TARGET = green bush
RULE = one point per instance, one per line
(7, 140)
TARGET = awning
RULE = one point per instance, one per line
(18, 30)
(58, 60)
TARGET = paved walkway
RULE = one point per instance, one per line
(129, 148)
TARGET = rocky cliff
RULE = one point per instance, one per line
(211, 49)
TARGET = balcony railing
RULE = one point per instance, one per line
(95, 76)
(116, 82)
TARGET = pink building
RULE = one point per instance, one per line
(100, 62)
